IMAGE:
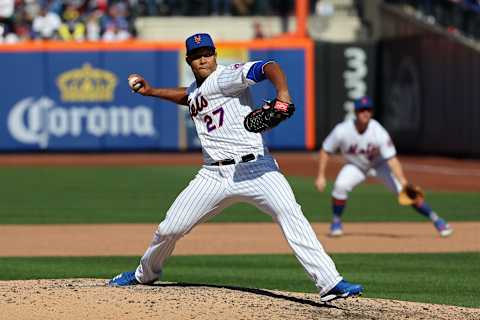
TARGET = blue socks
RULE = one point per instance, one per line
(425, 210)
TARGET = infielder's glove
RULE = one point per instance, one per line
(268, 116)
(410, 194)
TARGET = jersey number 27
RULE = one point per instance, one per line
(209, 120)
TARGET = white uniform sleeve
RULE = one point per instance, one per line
(233, 78)
(387, 148)
(332, 141)
(191, 87)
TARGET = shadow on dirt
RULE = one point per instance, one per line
(383, 235)
(251, 290)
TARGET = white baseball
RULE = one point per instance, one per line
(132, 82)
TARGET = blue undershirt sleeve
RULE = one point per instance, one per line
(256, 71)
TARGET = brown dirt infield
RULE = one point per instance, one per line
(230, 238)
(91, 299)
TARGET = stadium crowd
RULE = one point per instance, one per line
(76, 20)
(215, 7)
(456, 16)
(112, 20)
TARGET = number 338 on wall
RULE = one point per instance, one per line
(355, 77)
(212, 120)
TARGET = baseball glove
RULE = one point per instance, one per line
(268, 116)
(410, 194)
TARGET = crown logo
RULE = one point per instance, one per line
(197, 39)
(87, 84)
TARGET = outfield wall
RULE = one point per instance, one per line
(429, 85)
(75, 97)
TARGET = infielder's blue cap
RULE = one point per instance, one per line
(363, 103)
(198, 40)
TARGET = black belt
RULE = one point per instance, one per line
(245, 158)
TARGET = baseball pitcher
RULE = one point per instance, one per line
(368, 151)
(237, 165)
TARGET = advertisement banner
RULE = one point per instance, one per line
(81, 101)
(61, 99)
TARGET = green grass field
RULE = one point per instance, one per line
(143, 194)
(435, 278)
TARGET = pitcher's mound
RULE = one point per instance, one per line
(92, 299)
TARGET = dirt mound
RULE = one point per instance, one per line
(91, 299)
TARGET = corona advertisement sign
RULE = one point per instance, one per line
(75, 97)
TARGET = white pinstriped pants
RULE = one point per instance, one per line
(216, 187)
(351, 176)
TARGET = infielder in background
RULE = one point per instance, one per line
(237, 166)
(368, 151)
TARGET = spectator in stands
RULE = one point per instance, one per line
(258, 30)
(46, 24)
(56, 6)
(92, 25)
(8, 36)
(73, 27)
(115, 24)
(6, 16)
(21, 31)
(22, 21)
(30, 9)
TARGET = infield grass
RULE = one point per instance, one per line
(450, 278)
(40, 195)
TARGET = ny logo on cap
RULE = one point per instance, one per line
(197, 39)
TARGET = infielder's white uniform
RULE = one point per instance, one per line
(366, 154)
(218, 108)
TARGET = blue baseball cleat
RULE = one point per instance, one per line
(336, 229)
(443, 228)
(124, 279)
(343, 289)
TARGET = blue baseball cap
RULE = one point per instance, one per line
(363, 103)
(198, 40)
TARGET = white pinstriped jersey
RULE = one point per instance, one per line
(366, 150)
(218, 108)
